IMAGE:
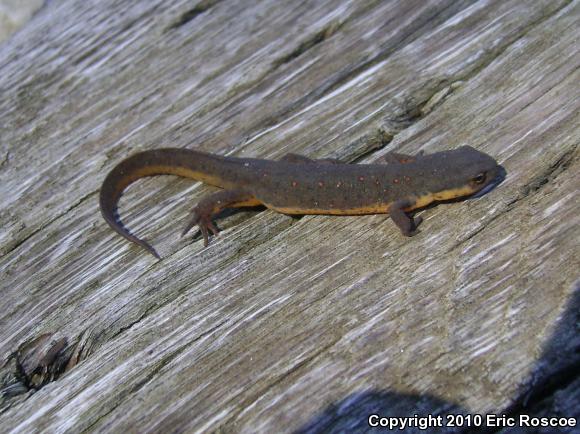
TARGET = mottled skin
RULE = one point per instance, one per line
(298, 185)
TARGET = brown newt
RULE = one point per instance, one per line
(299, 185)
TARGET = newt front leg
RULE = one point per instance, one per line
(407, 225)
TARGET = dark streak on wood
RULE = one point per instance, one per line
(191, 14)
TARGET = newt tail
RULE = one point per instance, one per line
(168, 161)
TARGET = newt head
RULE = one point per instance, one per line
(480, 170)
(458, 173)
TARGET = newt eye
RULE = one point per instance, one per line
(479, 179)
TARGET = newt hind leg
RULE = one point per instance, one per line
(213, 204)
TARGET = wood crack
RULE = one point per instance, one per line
(310, 42)
(189, 15)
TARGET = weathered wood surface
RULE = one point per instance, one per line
(285, 324)
(14, 14)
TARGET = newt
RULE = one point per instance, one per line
(298, 185)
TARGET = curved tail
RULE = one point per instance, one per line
(168, 161)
